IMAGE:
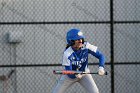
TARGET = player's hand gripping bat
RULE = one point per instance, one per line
(68, 72)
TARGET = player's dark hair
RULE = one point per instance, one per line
(67, 46)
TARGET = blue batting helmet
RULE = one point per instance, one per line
(74, 34)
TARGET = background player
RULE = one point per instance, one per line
(76, 58)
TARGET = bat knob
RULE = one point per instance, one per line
(54, 72)
(106, 73)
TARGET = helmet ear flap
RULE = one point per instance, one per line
(72, 42)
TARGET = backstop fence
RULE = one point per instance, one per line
(32, 41)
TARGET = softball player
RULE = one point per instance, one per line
(76, 58)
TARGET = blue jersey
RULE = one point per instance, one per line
(78, 59)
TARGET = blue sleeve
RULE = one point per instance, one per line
(70, 68)
(100, 56)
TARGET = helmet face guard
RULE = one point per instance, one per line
(74, 34)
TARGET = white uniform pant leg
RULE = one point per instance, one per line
(64, 83)
(89, 84)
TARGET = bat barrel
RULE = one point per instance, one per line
(63, 72)
(57, 72)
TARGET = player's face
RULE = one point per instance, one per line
(78, 44)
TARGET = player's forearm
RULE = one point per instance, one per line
(101, 59)
(98, 54)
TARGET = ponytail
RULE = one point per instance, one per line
(67, 46)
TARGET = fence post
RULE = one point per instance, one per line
(112, 45)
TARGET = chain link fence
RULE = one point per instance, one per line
(39, 29)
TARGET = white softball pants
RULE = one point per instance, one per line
(86, 81)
